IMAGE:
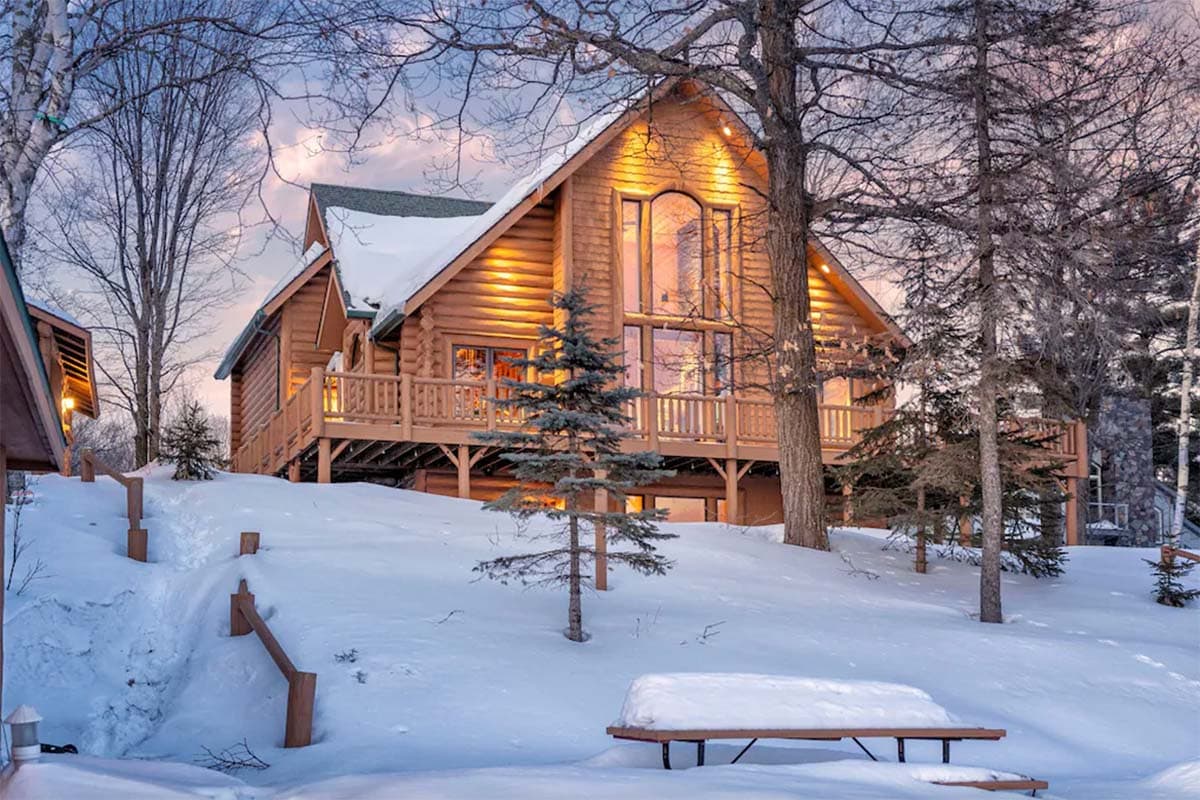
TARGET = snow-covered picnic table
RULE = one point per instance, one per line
(698, 707)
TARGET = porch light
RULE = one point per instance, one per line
(24, 723)
(825, 268)
(68, 403)
(725, 129)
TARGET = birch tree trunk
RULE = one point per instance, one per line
(1185, 406)
(989, 379)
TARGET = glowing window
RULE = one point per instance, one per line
(675, 255)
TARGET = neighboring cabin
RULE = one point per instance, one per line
(373, 358)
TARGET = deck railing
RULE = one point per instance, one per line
(137, 540)
(405, 402)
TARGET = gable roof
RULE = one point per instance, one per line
(14, 315)
(313, 261)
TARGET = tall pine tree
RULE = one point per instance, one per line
(573, 408)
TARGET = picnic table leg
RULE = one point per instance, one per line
(861, 746)
(900, 749)
(945, 751)
(738, 757)
(700, 753)
(666, 755)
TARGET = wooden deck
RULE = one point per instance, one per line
(344, 407)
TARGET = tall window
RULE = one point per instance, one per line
(676, 268)
(678, 362)
(633, 356)
(677, 257)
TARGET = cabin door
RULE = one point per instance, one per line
(478, 364)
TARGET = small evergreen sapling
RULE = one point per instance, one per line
(573, 412)
(1168, 588)
(191, 445)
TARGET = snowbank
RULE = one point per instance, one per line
(429, 673)
(689, 701)
(70, 777)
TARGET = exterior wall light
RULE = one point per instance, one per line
(24, 723)
(725, 129)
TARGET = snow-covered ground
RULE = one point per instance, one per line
(434, 684)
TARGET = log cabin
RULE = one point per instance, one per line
(375, 355)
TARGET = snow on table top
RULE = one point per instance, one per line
(736, 701)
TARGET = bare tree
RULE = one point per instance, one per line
(155, 212)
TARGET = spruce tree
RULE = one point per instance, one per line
(573, 409)
(190, 443)
(1168, 574)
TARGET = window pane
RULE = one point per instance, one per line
(722, 362)
(631, 254)
(678, 362)
(675, 255)
(470, 363)
(835, 392)
(682, 509)
(722, 222)
(502, 367)
(633, 356)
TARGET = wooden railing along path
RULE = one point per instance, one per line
(1171, 553)
(137, 540)
(302, 686)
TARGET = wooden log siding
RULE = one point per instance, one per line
(503, 293)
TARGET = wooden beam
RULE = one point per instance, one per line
(293, 470)
(1072, 520)
(464, 471)
(733, 514)
(248, 543)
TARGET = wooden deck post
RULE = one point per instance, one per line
(65, 470)
(302, 691)
(87, 470)
(324, 460)
(733, 514)
(1072, 521)
(133, 502)
(601, 537)
(490, 400)
(238, 624)
(249, 543)
(847, 509)
(731, 426)
(965, 529)
(293, 471)
(464, 471)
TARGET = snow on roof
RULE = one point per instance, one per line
(239, 344)
(53, 311)
(735, 701)
(381, 256)
(400, 291)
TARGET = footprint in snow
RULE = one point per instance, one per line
(1149, 660)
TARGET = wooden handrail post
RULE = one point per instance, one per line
(406, 406)
(238, 624)
(87, 470)
(490, 400)
(133, 502)
(731, 425)
(318, 402)
(652, 420)
(302, 692)
(249, 543)
(137, 544)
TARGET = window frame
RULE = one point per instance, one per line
(647, 322)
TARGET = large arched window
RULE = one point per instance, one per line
(671, 265)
